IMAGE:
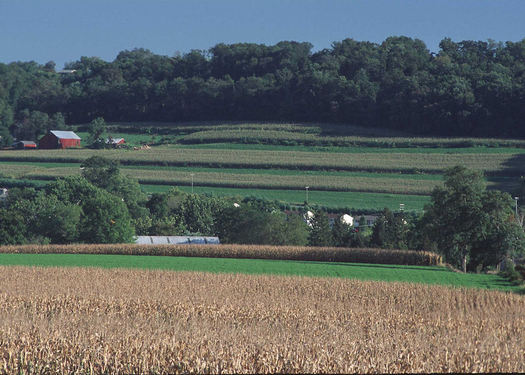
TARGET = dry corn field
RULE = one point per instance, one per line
(67, 320)
(306, 253)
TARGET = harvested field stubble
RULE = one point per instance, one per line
(93, 320)
(323, 254)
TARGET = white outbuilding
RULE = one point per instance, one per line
(347, 219)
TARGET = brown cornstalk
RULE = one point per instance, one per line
(78, 320)
(324, 254)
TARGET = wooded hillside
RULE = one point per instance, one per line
(466, 88)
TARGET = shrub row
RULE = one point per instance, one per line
(20, 183)
(323, 254)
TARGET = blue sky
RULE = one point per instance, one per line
(62, 31)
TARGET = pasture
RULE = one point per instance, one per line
(437, 275)
(68, 320)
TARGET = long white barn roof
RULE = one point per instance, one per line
(175, 240)
(62, 134)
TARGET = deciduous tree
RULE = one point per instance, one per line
(469, 223)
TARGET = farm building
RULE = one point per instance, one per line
(3, 194)
(369, 220)
(115, 142)
(24, 145)
(345, 218)
(176, 240)
(59, 139)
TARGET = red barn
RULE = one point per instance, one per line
(115, 142)
(59, 139)
(24, 145)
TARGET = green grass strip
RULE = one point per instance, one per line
(330, 199)
(376, 272)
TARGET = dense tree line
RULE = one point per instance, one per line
(469, 87)
(105, 206)
(470, 226)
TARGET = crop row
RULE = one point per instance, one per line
(350, 149)
(321, 254)
(88, 320)
(242, 180)
(492, 164)
(177, 129)
(246, 135)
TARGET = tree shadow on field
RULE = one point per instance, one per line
(368, 265)
(507, 178)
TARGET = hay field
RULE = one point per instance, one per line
(92, 320)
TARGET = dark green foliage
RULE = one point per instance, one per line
(99, 170)
(470, 225)
(320, 233)
(342, 234)
(105, 174)
(6, 119)
(56, 220)
(97, 130)
(261, 204)
(249, 225)
(12, 227)
(295, 231)
(358, 240)
(520, 268)
(197, 213)
(45, 217)
(104, 218)
(30, 125)
(158, 205)
(390, 231)
(466, 88)
(57, 122)
(514, 273)
(19, 183)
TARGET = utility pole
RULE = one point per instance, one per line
(192, 174)
(307, 187)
